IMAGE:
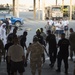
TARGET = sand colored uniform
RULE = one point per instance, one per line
(36, 50)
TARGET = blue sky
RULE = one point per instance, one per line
(30, 2)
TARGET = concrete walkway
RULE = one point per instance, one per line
(46, 70)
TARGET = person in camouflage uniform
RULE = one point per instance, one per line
(36, 50)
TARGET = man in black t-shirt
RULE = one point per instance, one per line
(51, 40)
(11, 35)
(63, 53)
(23, 39)
(8, 44)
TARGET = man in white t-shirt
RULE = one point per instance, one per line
(17, 57)
(58, 28)
(50, 22)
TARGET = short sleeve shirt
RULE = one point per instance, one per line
(16, 52)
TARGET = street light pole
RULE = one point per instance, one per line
(62, 3)
(43, 10)
(34, 6)
(70, 10)
(63, 6)
(39, 9)
(15, 8)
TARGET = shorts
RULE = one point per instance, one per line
(61, 31)
(17, 66)
(57, 32)
(66, 28)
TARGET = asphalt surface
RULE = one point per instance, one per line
(31, 27)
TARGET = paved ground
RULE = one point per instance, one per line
(46, 70)
(31, 27)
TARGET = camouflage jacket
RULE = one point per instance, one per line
(36, 50)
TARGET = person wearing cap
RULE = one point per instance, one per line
(38, 35)
(40, 40)
(36, 50)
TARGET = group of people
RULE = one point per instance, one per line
(58, 26)
(5, 29)
(66, 42)
(60, 50)
(13, 52)
(15, 45)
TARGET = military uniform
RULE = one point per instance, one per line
(36, 50)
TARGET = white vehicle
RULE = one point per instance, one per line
(31, 8)
(56, 12)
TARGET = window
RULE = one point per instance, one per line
(56, 8)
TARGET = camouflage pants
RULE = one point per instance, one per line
(34, 65)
